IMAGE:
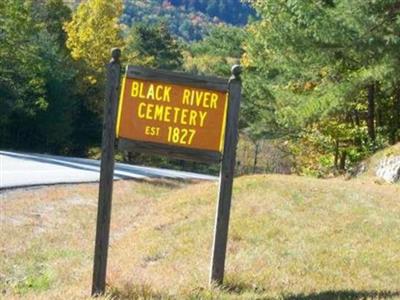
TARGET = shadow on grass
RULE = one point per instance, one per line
(345, 294)
(260, 292)
(240, 289)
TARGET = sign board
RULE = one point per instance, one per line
(179, 111)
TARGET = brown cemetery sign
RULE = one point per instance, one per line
(177, 115)
(171, 114)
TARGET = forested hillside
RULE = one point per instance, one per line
(187, 24)
(231, 11)
(189, 20)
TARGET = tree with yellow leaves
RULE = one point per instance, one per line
(93, 31)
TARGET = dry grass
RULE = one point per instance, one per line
(290, 238)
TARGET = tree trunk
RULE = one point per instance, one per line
(371, 112)
(343, 157)
(397, 114)
(336, 153)
(379, 114)
(395, 118)
(357, 118)
(256, 150)
(357, 139)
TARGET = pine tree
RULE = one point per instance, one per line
(331, 68)
(153, 46)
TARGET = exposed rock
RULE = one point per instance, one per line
(358, 170)
(389, 169)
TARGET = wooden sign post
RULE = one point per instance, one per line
(106, 174)
(177, 115)
(226, 180)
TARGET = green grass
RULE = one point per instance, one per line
(290, 238)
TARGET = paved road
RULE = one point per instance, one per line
(22, 169)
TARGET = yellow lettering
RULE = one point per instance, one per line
(184, 113)
(159, 112)
(167, 95)
(192, 97)
(214, 99)
(192, 133)
(203, 115)
(152, 131)
(176, 114)
(167, 114)
(159, 96)
(135, 89)
(192, 118)
(141, 94)
(150, 92)
(199, 97)
(206, 99)
(141, 114)
(149, 111)
(186, 97)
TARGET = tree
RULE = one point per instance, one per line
(93, 31)
(22, 71)
(328, 62)
(217, 52)
(36, 80)
(52, 14)
(153, 46)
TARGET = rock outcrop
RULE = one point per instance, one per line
(389, 169)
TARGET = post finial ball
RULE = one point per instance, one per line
(115, 54)
(236, 71)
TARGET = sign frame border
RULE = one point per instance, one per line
(179, 78)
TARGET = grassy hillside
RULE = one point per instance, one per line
(290, 238)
